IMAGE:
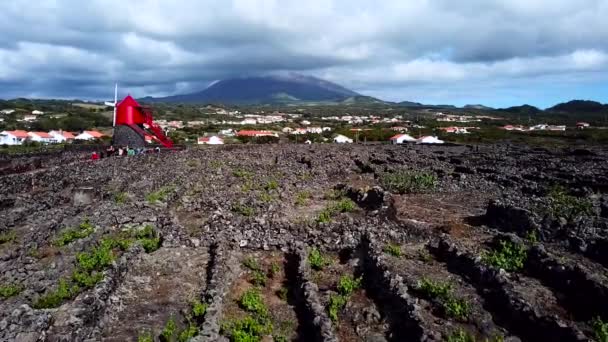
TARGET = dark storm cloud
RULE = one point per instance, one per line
(390, 49)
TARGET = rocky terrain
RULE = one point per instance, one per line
(306, 243)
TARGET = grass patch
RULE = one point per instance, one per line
(240, 173)
(460, 335)
(120, 197)
(258, 278)
(282, 293)
(244, 210)
(317, 260)
(84, 229)
(10, 290)
(252, 264)
(247, 329)
(509, 256)
(275, 269)
(8, 236)
(159, 195)
(403, 182)
(53, 299)
(271, 185)
(393, 249)
(266, 197)
(199, 309)
(561, 204)
(145, 336)
(452, 306)
(345, 205)
(302, 198)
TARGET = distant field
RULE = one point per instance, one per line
(89, 106)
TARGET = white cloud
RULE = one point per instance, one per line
(154, 44)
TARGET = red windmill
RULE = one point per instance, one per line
(133, 122)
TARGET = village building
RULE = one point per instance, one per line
(89, 135)
(429, 140)
(342, 139)
(402, 138)
(211, 140)
(16, 137)
(62, 136)
(41, 137)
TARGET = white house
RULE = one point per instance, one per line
(41, 137)
(402, 138)
(227, 132)
(212, 140)
(13, 137)
(37, 112)
(305, 122)
(341, 139)
(7, 111)
(62, 136)
(429, 140)
(287, 130)
(89, 135)
(29, 118)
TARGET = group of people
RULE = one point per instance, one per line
(122, 151)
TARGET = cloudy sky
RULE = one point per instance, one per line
(497, 53)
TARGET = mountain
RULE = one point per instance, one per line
(477, 106)
(289, 88)
(579, 106)
(410, 104)
(525, 109)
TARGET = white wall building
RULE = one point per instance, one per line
(212, 140)
(342, 139)
(429, 140)
(41, 137)
(62, 136)
(13, 137)
(402, 138)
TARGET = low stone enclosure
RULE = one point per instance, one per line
(307, 243)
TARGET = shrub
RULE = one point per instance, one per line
(54, 298)
(346, 285)
(97, 260)
(336, 303)
(86, 279)
(252, 301)
(570, 207)
(247, 329)
(258, 278)
(600, 329)
(408, 181)
(188, 333)
(266, 197)
(345, 205)
(252, 264)
(316, 260)
(69, 235)
(198, 309)
(324, 216)
(509, 256)
(457, 308)
(10, 290)
(8, 236)
(169, 330)
(434, 289)
(392, 249)
(145, 336)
